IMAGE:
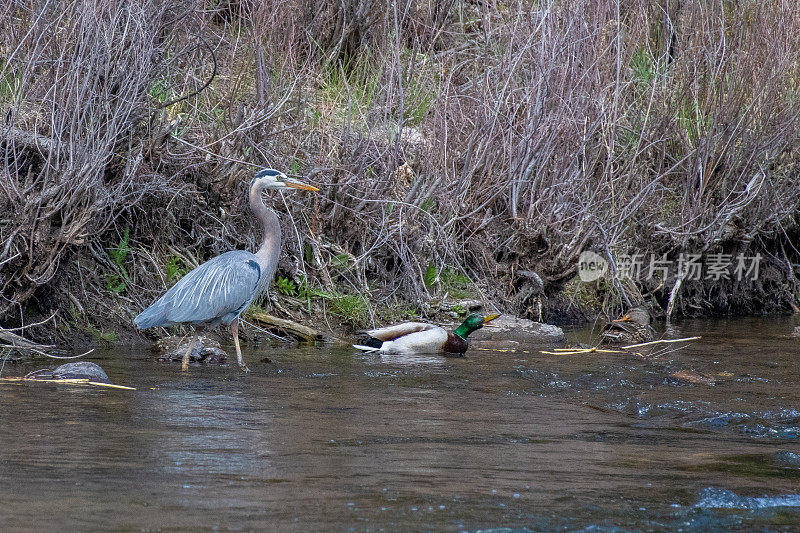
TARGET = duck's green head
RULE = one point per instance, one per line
(474, 322)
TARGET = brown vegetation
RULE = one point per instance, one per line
(486, 137)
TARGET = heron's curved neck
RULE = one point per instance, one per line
(270, 248)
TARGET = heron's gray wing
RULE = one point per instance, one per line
(390, 333)
(217, 290)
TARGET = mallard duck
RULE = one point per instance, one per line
(418, 337)
(631, 328)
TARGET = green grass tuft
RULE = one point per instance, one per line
(350, 308)
(455, 284)
(102, 336)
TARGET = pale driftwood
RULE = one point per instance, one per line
(295, 329)
(76, 381)
(29, 138)
(65, 356)
(19, 342)
(578, 351)
(673, 294)
(660, 342)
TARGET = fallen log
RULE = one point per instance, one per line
(299, 331)
(29, 139)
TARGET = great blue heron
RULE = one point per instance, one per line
(219, 290)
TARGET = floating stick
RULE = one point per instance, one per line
(660, 342)
(578, 351)
(77, 381)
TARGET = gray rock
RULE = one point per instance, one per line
(511, 328)
(795, 332)
(461, 305)
(207, 351)
(786, 457)
(81, 370)
(489, 344)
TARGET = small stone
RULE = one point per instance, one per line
(206, 351)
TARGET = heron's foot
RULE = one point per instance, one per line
(244, 367)
(185, 360)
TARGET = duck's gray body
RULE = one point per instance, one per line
(420, 338)
(410, 338)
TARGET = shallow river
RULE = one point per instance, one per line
(324, 438)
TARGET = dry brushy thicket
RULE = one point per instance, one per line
(491, 137)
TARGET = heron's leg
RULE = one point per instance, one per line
(235, 333)
(185, 360)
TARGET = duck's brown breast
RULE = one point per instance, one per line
(455, 344)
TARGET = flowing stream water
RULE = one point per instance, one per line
(326, 438)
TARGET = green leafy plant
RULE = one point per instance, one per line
(349, 87)
(427, 204)
(452, 282)
(352, 308)
(160, 91)
(430, 275)
(74, 314)
(341, 261)
(397, 312)
(118, 281)
(643, 66)
(9, 83)
(101, 335)
(174, 268)
(418, 99)
(456, 284)
(306, 291)
(285, 286)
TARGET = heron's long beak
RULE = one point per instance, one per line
(490, 318)
(295, 184)
(623, 319)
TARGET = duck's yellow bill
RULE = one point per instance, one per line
(295, 184)
(490, 318)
